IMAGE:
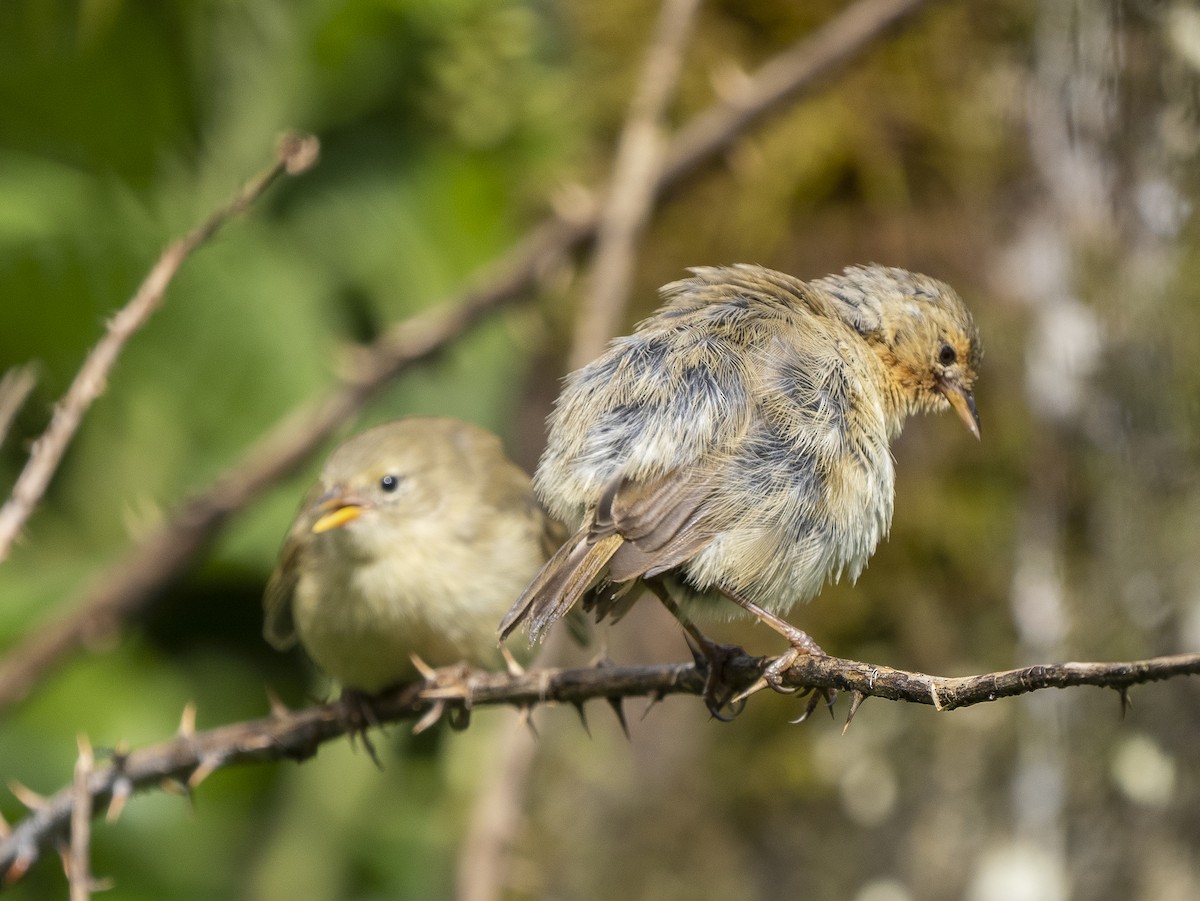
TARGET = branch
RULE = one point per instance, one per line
(484, 856)
(191, 757)
(631, 194)
(295, 154)
(15, 387)
(134, 580)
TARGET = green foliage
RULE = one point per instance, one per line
(447, 128)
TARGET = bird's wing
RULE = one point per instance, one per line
(559, 584)
(279, 628)
(639, 528)
(662, 521)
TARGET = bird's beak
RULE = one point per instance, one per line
(963, 402)
(338, 508)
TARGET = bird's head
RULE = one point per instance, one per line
(923, 334)
(376, 488)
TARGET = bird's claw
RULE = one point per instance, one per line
(772, 676)
(356, 712)
(713, 658)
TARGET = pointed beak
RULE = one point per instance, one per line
(963, 402)
(336, 509)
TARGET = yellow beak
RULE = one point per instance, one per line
(337, 509)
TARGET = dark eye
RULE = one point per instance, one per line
(947, 355)
(389, 483)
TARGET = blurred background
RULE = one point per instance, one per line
(1039, 156)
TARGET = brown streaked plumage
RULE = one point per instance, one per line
(737, 444)
(415, 540)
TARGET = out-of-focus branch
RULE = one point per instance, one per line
(138, 577)
(484, 856)
(783, 78)
(79, 865)
(295, 154)
(631, 190)
(14, 389)
(191, 757)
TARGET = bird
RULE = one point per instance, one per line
(736, 446)
(414, 540)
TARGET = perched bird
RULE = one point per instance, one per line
(736, 445)
(415, 540)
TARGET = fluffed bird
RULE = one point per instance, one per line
(414, 541)
(736, 445)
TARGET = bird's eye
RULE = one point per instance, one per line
(947, 355)
(389, 483)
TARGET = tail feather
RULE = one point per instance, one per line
(572, 570)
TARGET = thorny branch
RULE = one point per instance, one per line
(133, 581)
(185, 761)
(295, 154)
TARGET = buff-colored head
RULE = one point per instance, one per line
(922, 332)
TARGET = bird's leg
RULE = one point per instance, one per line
(718, 694)
(801, 643)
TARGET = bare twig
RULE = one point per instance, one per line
(631, 192)
(780, 81)
(14, 389)
(484, 857)
(79, 868)
(148, 568)
(295, 735)
(295, 154)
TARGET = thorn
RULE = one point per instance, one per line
(173, 786)
(510, 662)
(754, 689)
(27, 796)
(121, 791)
(20, 866)
(935, 697)
(618, 708)
(428, 673)
(459, 718)
(525, 718)
(187, 722)
(369, 747)
(655, 700)
(87, 757)
(1126, 701)
(206, 768)
(583, 720)
(279, 710)
(856, 699)
(431, 716)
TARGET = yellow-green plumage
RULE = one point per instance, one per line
(425, 568)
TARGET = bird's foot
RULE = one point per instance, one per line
(772, 677)
(451, 682)
(713, 657)
(355, 711)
